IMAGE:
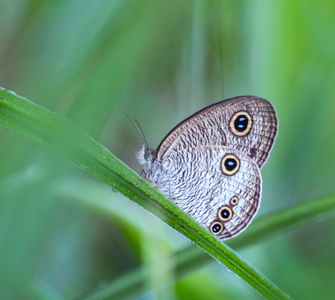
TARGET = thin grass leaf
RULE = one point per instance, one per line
(287, 219)
(192, 257)
(62, 135)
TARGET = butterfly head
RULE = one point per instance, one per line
(144, 154)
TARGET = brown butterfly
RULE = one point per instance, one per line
(209, 164)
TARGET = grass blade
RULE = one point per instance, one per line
(193, 257)
(62, 135)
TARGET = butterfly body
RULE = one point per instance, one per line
(209, 164)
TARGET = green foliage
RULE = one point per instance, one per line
(58, 133)
(64, 234)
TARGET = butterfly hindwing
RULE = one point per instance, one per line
(217, 185)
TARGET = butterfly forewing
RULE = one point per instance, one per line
(222, 124)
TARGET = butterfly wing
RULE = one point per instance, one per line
(217, 185)
(246, 123)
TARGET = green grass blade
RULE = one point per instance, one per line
(63, 136)
(192, 257)
(290, 218)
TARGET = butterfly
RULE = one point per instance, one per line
(209, 164)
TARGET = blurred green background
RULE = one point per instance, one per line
(63, 233)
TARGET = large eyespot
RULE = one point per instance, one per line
(225, 213)
(230, 164)
(240, 123)
(216, 227)
(234, 201)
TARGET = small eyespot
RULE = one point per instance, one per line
(225, 213)
(253, 152)
(240, 123)
(230, 164)
(216, 227)
(234, 201)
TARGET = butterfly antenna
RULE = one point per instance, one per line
(140, 131)
(137, 125)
